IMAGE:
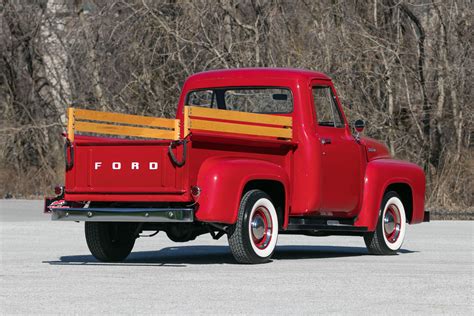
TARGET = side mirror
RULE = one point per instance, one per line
(359, 126)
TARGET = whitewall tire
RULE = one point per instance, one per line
(254, 236)
(391, 228)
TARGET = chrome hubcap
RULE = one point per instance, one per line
(258, 227)
(261, 227)
(392, 223)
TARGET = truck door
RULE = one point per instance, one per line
(341, 155)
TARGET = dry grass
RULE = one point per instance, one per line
(30, 185)
(451, 188)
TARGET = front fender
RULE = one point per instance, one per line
(379, 175)
(222, 181)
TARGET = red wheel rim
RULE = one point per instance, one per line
(392, 223)
(261, 227)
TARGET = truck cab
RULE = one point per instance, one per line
(252, 153)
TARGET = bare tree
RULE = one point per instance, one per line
(404, 66)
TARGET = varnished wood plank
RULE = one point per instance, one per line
(102, 128)
(240, 128)
(240, 116)
(70, 124)
(81, 114)
(186, 119)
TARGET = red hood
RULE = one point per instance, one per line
(374, 149)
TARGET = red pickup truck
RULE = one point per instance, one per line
(252, 153)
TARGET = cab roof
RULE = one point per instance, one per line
(255, 73)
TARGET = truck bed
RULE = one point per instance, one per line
(142, 170)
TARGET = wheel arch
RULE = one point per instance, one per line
(404, 191)
(277, 192)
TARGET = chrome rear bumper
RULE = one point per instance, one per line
(163, 215)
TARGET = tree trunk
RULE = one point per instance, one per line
(55, 57)
(92, 56)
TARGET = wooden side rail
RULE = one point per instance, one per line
(199, 118)
(89, 121)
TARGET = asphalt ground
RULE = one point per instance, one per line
(46, 268)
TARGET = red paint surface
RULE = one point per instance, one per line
(343, 179)
(381, 173)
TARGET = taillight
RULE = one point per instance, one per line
(195, 191)
(58, 190)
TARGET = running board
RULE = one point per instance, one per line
(323, 225)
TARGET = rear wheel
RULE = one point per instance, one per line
(255, 234)
(391, 227)
(110, 242)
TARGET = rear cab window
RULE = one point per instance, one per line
(264, 100)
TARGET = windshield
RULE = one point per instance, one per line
(251, 99)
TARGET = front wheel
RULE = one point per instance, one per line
(254, 236)
(110, 242)
(388, 237)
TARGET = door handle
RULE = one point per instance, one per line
(325, 141)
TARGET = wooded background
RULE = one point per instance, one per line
(403, 66)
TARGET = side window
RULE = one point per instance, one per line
(327, 111)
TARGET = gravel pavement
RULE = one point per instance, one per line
(46, 268)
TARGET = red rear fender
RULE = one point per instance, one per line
(222, 181)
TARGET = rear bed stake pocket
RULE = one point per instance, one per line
(173, 157)
(69, 161)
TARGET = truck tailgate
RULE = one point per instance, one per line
(124, 167)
